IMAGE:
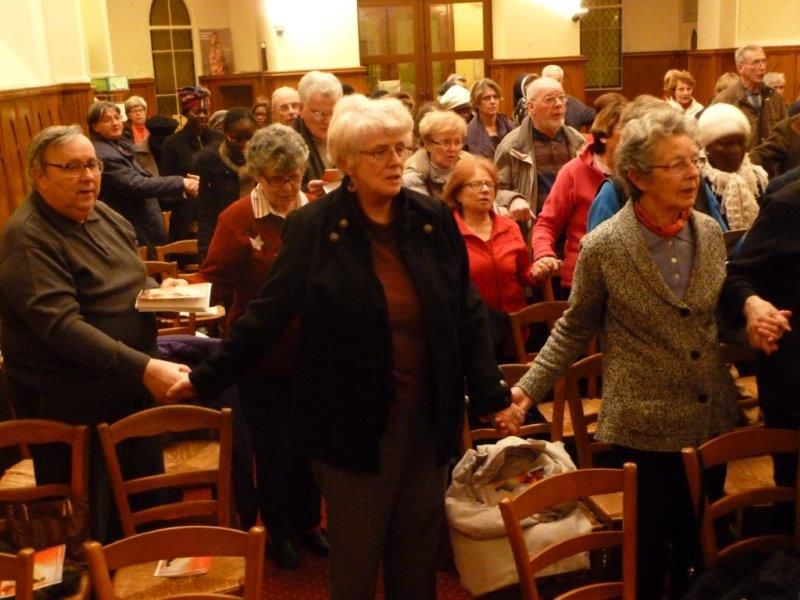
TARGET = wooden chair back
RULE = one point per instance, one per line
(19, 568)
(740, 444)
(588, 370)
(171, 419)
(187, 248)
(565, 487)
(164, 544)
(161, 269)
(42, 431)
(547, 312)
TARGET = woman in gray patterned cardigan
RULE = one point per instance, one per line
(647, 281)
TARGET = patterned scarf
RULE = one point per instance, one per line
(738, 192)
(246, 181)
(664, 231)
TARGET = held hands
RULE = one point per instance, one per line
(161, 375)
(765, 324)
(191, 185)
(545, 267)
(181, 390)
(510, 420)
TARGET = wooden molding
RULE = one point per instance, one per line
(506, 71)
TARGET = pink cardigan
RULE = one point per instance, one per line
(567, 207)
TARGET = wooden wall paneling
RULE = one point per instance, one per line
(146, 88)
(505, 73)
(355, 76)
(643, 72)
(784, 60)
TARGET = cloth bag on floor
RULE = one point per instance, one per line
(481, 549)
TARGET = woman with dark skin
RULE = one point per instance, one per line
(261, 113)
(180, 150)
(223, 173)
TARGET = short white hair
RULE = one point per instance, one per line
(774, 78)
(319, 82)
(554, 72)
(282, 91)
(741, 53)
(356, 118)
(539, 86)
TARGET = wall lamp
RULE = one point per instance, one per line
(579, 13)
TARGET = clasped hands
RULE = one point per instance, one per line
(765, 324)
(510, 420)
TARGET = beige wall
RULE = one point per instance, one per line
(94, 15)
(651, 25)
(66, 42)
(243, 15)
(534, 28)
(768, 22)
(24, 64)
(128, 26)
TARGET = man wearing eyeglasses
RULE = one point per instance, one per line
(763, 106)
(285, 106)
(319, 93)
(529, 158)
(74, 348)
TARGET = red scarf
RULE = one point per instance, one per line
(664, 231)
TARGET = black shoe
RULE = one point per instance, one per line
(316, 541)
(283, 553)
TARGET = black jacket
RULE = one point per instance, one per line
(343, 379)
(316, 167)
(219, 186)
(130, 190)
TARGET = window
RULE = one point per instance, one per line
(601, 43)
(173, 54)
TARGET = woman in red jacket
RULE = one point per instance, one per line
(499, 266)
(567, 206)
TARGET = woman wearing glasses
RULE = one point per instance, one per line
(127, 187)
(389, 328)
(427, 170)
(499, 266)
(647, 281)
(245, 243)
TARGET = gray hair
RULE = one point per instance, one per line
(539, 86)
(640, 140)
(318, 82)
(96, 112)
(774, 78)
(50, 137)
(479, 89)
(441, 121)
(741, 53)
(553, 72)
(133, 102)
(276, 147)
(356, 118)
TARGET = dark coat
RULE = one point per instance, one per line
(178, 155)
(478, 141)
(773, 110)
(343, 381)
(219, 187)
(130, 190)
(315, 167)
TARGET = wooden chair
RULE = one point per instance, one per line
(161, 269)
(738, 445)
(565, 487)
(19, 568)
(547, 312)
(133, 559)
(186, 248)
(170, 323)
(157, 421)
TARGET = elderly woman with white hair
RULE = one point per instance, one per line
(736, 183)
(390, 327)
(428, 169)
(647, 281)
(136, 115)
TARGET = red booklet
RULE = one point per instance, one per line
(48, 569)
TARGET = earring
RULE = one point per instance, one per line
(351, 187)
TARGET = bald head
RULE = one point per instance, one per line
(553, 72)
(285, 105)
(547, 105)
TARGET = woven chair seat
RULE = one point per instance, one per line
(19, 475)
(137, 582)
(591, 408)
(191, 455)
(749, 473)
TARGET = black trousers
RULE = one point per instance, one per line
(667, 531)
(287, 494)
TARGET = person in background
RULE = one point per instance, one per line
(724, 81)
(763, 106)
(521, 96)
(499, 266)
(737, 184)
(215, 120)
(777, 81)
(242, 252)
(487, 130)
(529, 158)
(319, 93)
(126, 186)
(422, 110)
(179, 151)
(648, 282)
(224, 174)
(390, 331)
(427, 170)
(457, 99)
(261, 112)
(148, 152)
(407, 100)
(679, 91)
(577, 115)
(567, 207)
(780, 152)
(136, 115)
(285, 106)
(74, 348)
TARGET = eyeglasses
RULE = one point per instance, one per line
(479, 185)
(278, 181)
(551, 100)
(384, 153)
(320, 116)
(448, 143)
(682, 165)
(75, 168)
